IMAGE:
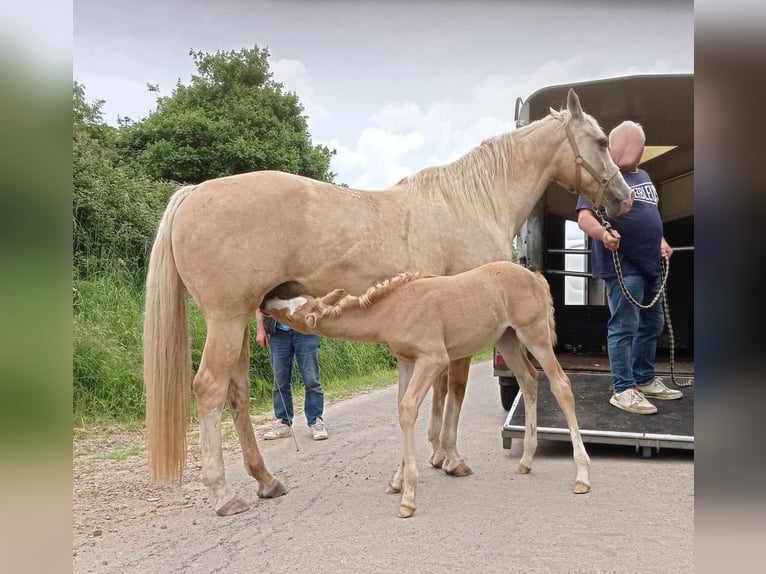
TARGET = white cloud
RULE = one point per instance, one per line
(402, 137)
(294, 76)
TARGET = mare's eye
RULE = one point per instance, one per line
(603, 143)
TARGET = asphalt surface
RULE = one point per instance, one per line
(639, 516)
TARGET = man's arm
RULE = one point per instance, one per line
(588, 222)
(262, 337)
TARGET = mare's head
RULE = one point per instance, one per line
(305, 311)
(584, 165)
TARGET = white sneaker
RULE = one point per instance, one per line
(277, 430)
(632, 401)
(319, 429)
(657, 390)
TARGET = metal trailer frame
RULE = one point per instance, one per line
(601, 423)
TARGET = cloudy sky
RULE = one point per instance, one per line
(393, 86)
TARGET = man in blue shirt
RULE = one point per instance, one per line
(632, 332)
(287, 344)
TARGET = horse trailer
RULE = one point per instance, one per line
(550, 241)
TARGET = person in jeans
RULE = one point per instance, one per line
(632, 333)
(286, 344)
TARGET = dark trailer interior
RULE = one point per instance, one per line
(551, 242)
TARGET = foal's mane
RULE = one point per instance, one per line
(473, 184)
(373, 294)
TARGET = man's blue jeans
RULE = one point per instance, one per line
(286, 345)
(632, 333)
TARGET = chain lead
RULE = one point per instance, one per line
(664, 272)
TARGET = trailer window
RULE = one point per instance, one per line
(575, 288)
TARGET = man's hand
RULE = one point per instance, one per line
(262, 339)
(665, 249)
(611, 239)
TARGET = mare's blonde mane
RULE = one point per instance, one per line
(473, 185)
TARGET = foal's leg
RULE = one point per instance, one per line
(456, 381)
(562, 390)
(516, 357)
(405, 374)
(211, 385)
(426, 371)
(438, 395)
(239, 403)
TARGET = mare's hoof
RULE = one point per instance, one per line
(276, 489)
(461, 469)
(234, 505)
(437, 462)
(405, 511)
(523, 469)
(581, 488)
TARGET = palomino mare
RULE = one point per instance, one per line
(234, 241)
(428, 322)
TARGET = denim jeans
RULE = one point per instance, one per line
(286, 345)
(632, 333)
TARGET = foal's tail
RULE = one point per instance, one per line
(167, 355)
(551, 321)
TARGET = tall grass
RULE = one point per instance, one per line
(107, 354)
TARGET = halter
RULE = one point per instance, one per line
(580, 161)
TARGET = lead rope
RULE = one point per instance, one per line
(664, 272)
(284, 404)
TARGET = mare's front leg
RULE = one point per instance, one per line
(239, 404)
(457, 380)
(425, 373)
(436, 423)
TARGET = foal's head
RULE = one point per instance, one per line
(305, 310)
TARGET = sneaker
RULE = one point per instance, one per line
(657, 390)
(318, 429)
(277, 430)
(632, 401)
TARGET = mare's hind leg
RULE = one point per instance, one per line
(211, 385)
(438, 395)
(516, 358)
(239, 403)
(456, 382)
(562, 390)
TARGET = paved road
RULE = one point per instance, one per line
(639, 517)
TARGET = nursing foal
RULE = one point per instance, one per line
(427, 321)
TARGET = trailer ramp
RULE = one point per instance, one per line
(601, 423)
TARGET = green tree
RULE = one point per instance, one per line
(114, 208)
(232, 118)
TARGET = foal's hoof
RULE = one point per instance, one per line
(393, 489)
(461, 469)
(234, 505)
(276, 489)
(405, 511)
(581, 488)
(523, 469)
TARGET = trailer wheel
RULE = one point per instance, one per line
(509, 388)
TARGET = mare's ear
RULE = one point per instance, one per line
(333, 297)
(573, 104)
